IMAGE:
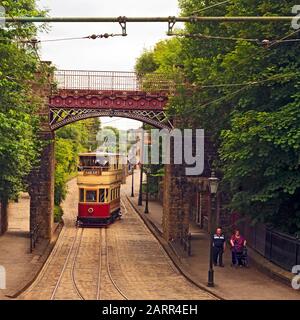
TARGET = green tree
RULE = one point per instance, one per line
(145, 63)
(19, 145)
(242, 93)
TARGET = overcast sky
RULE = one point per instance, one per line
(115, 54)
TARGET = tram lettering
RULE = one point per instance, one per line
(127, 311)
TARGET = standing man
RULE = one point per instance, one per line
(219, 246)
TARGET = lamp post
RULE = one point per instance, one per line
(140, 201)
(147, 171)
(213, 188)
(132, 184)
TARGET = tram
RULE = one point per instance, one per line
(99, 180)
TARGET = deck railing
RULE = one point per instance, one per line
(112, 81)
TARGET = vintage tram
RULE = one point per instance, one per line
(99, 180)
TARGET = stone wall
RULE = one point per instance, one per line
(41, 179)
(41, 190)
(180, 197)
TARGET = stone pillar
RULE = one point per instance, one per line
(171, 203)
(178, 199)
(41, 179)
(41, 190)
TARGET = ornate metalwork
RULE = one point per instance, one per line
(87, 94)
(60, 117)
(108, 99)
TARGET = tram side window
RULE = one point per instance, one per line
(91, 196)
(112, 194)
(101, 195)
(81, 195)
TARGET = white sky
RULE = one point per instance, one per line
(113, 54)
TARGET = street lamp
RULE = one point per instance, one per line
(147, 171)
(213, 182)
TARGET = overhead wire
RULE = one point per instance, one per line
(246, 86)
(283, 39)
(203, 36)
(212, 6)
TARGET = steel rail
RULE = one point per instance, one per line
(64, 267)
(109, 270)
(80, 295)
(47, 264)
(171, 19)
(98, 293)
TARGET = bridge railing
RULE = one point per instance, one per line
(111, 81)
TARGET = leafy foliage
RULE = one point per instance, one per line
(70, 141)
(245, 96)
(19, 144)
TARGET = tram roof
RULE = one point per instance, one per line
(103, 154)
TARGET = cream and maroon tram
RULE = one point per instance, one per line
(100, 176)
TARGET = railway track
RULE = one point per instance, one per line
(108, 269)
(103, 255)
(122, 262)
(58, 283)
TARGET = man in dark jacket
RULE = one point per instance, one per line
(219, 246)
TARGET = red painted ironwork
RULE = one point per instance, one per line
(105, 101)
(82, 94)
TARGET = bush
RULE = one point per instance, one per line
(58, 214)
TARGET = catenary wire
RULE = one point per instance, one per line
(272, 78)
(212, 6)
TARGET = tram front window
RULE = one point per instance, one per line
(81, 195)
(101, 195)
(91, 196)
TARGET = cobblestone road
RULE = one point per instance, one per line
(124, 261)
